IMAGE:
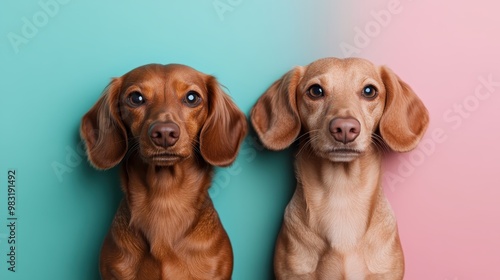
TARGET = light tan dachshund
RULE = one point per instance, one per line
(167, 125)
(338, 224)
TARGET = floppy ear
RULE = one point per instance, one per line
(224, 129)
(405, 117)
(102, 130)
(275, 117)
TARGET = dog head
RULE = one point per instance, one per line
(166, 113)
(342, 106)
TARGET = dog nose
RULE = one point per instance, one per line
(345, 130)
(164, 134)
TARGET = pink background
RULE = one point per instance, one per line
(446, 193)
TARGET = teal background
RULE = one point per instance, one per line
(59, 73)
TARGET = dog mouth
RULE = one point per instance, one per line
(344, 154)
(345, 151)
(165, 158)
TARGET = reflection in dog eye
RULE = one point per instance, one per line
(369, 91)
(136, 99)
(192, 98)
(315, 91)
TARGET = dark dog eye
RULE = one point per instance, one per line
(192, 98)
(369, 92)
(315, 91)
(136, 99)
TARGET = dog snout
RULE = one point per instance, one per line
(345, 130)
(164, 134)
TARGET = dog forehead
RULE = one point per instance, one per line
(347, 68)
(171, 74)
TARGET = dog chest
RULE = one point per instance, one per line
(343, 222)
(339, 211)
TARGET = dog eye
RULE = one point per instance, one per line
(315, 91)
(369, 92)
(136, 99)
(192, 99)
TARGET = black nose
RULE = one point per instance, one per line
(345, 130)
(164, 134)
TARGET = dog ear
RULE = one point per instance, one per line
(103, 131)
(275, 116)
(224, 129)
(405, 118)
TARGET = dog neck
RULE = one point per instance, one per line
(339, 197)
(165, 202)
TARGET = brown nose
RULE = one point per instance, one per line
(164, 134)
(345, 130)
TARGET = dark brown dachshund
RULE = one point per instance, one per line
(168, 125)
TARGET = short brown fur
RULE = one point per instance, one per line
(166, 227)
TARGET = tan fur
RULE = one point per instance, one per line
(166, 227)
(338, 224)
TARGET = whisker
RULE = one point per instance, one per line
(133, 147)
(303, 135)
(379, 143)
(197, 152)
(312, 138)
(304, 144)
